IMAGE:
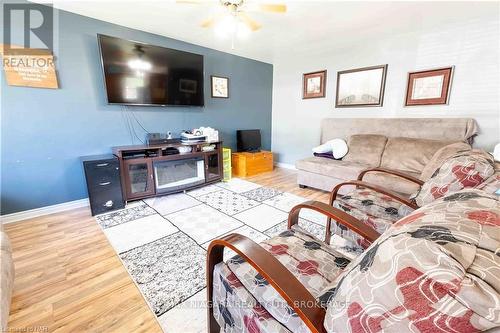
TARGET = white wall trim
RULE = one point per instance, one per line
(285, 166)
(32, 213)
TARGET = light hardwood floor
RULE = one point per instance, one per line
(69, 279)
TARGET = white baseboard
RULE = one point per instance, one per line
(285, 166)
(32, 213)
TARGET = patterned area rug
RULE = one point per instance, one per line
(162, 241)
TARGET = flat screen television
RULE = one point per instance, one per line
(248, 140)
(142, 74)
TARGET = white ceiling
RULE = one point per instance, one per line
(307, 25)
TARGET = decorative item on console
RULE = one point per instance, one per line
(208, 148)
(212, 134)
(160, 138)
(201, 134)
(193, 136)
(185, 149)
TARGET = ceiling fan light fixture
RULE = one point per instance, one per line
(139, 64)
(243, 31)
(226, 26)
(231, 26)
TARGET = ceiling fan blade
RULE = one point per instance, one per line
(272, 8)
(211, 21)
(208, 23)
(192, 2)
(250, 22)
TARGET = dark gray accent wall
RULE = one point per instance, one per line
(44, 131)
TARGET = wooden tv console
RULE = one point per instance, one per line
(137, 167)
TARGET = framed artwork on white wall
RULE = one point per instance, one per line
(361, 87)
(429, 87)
(314, 85)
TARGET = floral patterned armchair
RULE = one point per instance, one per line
(380, 208)
(435, 270)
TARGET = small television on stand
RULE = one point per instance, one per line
(248, 140)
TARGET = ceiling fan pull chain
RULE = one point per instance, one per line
(233, 33)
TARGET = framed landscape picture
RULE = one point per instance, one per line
(220, 87)
(314, 85)
(188, 86)
(429, 87)
(361, 87)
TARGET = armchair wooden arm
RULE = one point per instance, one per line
(392, 172)
(375, 188)
(341, 217)
(285, 283)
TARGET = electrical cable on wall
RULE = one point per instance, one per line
(138, 122)
(133, 128)
(130, 125)
(127, 125)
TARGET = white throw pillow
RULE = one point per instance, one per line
(322, 149)
(337, 147)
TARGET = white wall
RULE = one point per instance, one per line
(472, 45)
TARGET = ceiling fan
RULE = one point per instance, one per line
(232, 18)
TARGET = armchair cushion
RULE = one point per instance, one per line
(243, 297)
(492, 184)
(370, 207)
(464, 170)
(435, 270)
(441, 156)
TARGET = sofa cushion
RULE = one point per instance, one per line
(435, 270)
(409, 154)
(465, 170)
(365, 149)
(238, 288)
(442, 155)
(339, 169)
(375, 204)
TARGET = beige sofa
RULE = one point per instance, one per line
(403, 144)
(6, 278)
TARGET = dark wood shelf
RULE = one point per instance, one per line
(118, 150)
(151, 155)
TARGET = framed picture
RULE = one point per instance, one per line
(361, 87)
(188, 86)
(220, 87)
(314, 85)
(429, 87)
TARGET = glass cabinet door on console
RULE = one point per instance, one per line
(138, 178)
(176, 175)
(213, 166)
